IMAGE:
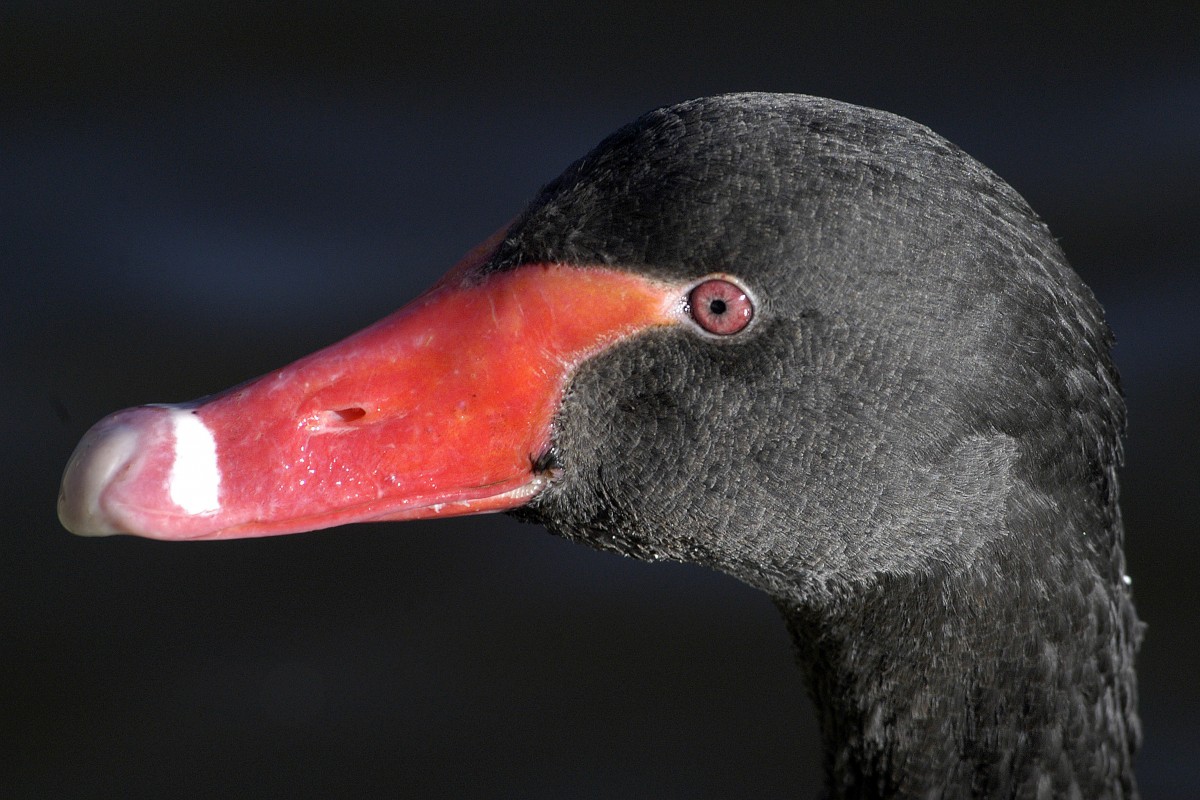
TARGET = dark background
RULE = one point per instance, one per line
(192, 197)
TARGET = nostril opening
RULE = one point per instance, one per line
(335, 419)
(352, 414)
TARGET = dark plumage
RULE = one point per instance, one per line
(914, 451)
(912, 446)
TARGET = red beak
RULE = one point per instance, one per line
(443, 408)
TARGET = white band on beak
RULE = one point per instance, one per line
(195, 477)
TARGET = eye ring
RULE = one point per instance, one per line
(720, 306)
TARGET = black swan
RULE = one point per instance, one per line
(810, 344)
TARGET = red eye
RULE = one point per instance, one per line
(720, 307)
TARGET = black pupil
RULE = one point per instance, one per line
(717, 306)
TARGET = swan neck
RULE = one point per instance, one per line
(974, 686)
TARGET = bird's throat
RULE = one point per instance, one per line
(922, 689)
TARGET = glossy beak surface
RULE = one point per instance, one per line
(443, 408)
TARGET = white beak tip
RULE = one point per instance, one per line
(100, 456)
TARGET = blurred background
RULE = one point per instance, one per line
(191, 197)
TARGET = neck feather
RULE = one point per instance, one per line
(1012, 679)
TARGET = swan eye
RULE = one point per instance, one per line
(720, 307)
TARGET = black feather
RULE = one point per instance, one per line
(914, 450)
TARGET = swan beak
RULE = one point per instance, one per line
(441, 409)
